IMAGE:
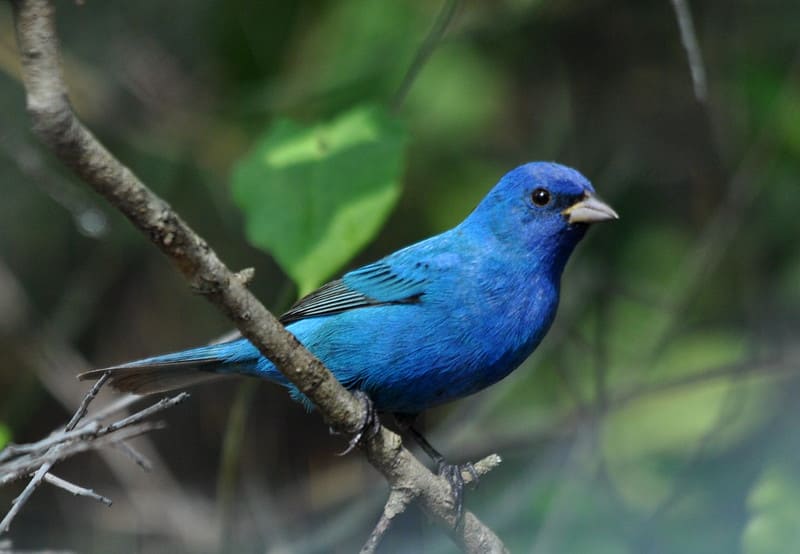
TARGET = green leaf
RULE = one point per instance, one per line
(5, 435)
(313, 196)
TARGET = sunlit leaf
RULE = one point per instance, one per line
(313, 196)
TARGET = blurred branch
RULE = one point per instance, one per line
(88, 218)
(425, 50)
(39, 458)
(157, 499)
(235, 430)
(692, 47)
(231, 456)
(75, 489)
(566, 425)
(141, 460)
(57, 126)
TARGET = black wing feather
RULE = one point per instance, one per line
(353, 291)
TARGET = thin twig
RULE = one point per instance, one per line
(396, 504)
(89, 429)
(16, 458)
(140, 459)
(425, 50)
(75, 489)
(159, 406)
(161, 503)
(91, 395)
(19, 502)
(17, 450)
(111, 409)
(40, 474)
(23, 459)
(17, 469)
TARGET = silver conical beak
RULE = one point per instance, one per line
(589, 210)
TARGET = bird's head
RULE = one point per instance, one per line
(543, 208)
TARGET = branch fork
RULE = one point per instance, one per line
(37, 459)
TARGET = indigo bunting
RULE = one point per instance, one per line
(432, 322)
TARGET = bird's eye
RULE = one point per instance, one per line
(540, 197)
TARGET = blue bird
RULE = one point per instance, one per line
(435, 321)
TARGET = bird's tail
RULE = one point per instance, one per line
(181, 369)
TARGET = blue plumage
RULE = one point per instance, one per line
(435, 321)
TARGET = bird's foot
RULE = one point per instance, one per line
(369, 426)
(453, 473)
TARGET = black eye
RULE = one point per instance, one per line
(540, 197)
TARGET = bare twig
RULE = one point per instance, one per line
(58, 127)
(398, 501)
(17, 469)
(22, 460)
(16, 450)
(16, 461)
(55, 451)
(19, 502)
(75, 489)
(91, 395)
(157, 498)
(112, 408)
(159, 406)
(140, 459)
(87, 431)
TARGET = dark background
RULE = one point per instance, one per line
(660, 413)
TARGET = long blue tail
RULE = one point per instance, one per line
(187, 367)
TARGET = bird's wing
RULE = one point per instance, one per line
(375, 284)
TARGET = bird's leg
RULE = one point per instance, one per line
(370, 422)
(451, 472)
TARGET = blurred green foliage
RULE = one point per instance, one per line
(774, 506)
(659, 415)
(5, 435)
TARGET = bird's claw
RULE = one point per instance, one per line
(453, 473)
(368, 427)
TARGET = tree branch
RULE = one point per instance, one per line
(58, 127)
(17, 461)
(39, 458)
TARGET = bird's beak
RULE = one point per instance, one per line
(589, 210)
